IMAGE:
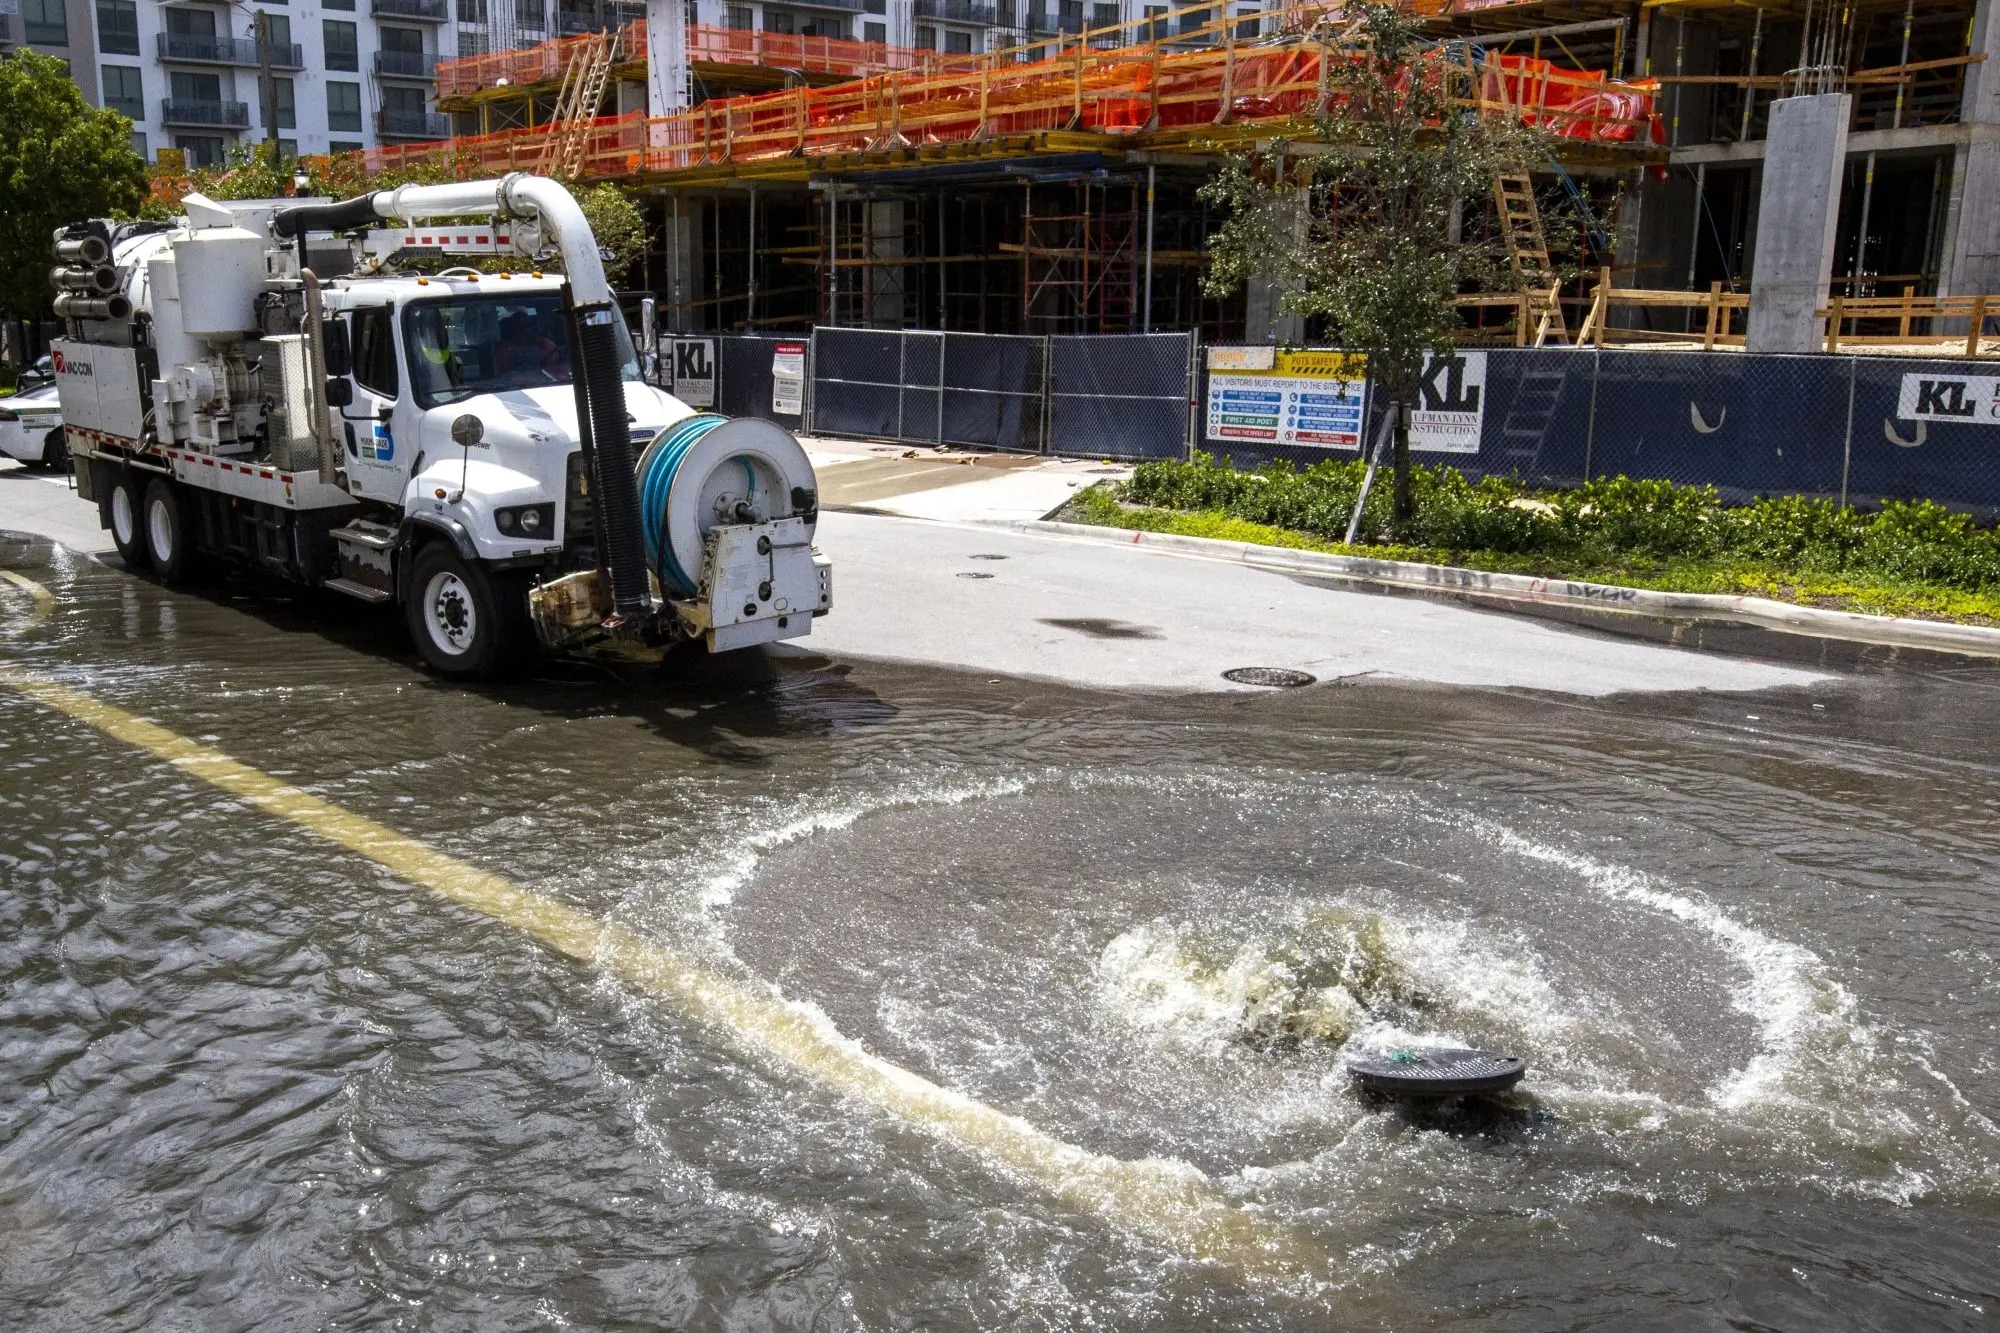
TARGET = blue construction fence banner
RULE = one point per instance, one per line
(1851, 429)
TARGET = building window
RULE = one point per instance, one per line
(1195, 20)
(1004, 13)
(409, 41)
(530, 14)
(200, 150)
(339, 146)
(280, 32)
(779, 20)
(1104, 16)
(740, 18)
(346, 5)
(45, 22)
(877, 33)
(284, 100)
(405, 104)
(139, 145)
(343, 106)
(957, 43)
(1246, 25)
(198, 23)
(926, 37)
(1155, 30)
(472, 11)
(118, 27)
(875, 6)
(123, 91)
(186, 86)
(343, 51)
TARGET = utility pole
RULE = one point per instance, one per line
(267, 90)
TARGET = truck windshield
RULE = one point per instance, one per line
(488, 344)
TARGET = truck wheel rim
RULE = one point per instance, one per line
(449, 614)
(122, 524)
(160, 530)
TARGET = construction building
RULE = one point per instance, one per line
(1017, 168)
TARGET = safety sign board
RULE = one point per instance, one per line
(1311, 398)
(788, 379)
(1451, 404)
(689, 365)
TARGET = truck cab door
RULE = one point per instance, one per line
(376, 456)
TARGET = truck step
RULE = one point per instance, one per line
(353, 589)
(373, 538)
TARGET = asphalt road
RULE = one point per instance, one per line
(994, 598)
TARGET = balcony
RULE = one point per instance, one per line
(597, 18)
(406, 64)
(186, 50)
(205, 114)
(426, 11)
(412, 125)
(957, 11)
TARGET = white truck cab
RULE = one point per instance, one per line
(477, 447)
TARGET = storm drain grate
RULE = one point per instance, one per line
(975, 574)
(1277, 678)
(985, 555)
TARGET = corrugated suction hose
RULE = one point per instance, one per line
(611, 438)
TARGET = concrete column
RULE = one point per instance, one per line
(885, 278)
(1264, 317)
(681, 239)
(1804, 160)
(1969, 258)
(666, 57)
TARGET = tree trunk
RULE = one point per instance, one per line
(1404, 507)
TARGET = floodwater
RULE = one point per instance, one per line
(253, 1080)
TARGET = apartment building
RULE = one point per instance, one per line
(345, 74)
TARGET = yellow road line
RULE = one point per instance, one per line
(1168, 1201)
(45, 601)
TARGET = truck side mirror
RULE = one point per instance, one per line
(339, 359)
(339, 392)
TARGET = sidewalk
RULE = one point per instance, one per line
(951, 485)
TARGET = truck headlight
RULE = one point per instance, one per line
(526, 520)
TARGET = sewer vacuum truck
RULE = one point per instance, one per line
(269, 383)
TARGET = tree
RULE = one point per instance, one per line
(619, 227)
(1360, 227)
(61, 160)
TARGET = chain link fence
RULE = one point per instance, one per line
(1850, 429)
(1121, 395)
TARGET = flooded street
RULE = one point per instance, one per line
(917, 998)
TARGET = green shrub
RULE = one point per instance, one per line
(1617, 521)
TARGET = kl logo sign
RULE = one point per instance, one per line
(1970, 398)
(1451, 407)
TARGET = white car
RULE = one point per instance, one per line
(31, 428)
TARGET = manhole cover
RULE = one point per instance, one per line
(986, 555)
(1436, 1071)
(1277, 678)
(975, 574)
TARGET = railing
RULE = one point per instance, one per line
(957, 11)
(226, 51)
(411, 125)
(1720, 318)
(222, 115)
(406, 64)
(1170, 95)
(430, 11)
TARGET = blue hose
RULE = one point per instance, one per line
(658, 467)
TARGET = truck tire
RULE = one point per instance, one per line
(169, 535)
(465, 620)
(124, 514)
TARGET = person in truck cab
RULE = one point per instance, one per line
(526, 350)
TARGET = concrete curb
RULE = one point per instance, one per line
(1978, 640)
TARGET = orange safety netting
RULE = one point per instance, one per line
(1128, 91)
(723, 46)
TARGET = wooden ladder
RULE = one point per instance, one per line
(1528, 249)
(577, 102)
